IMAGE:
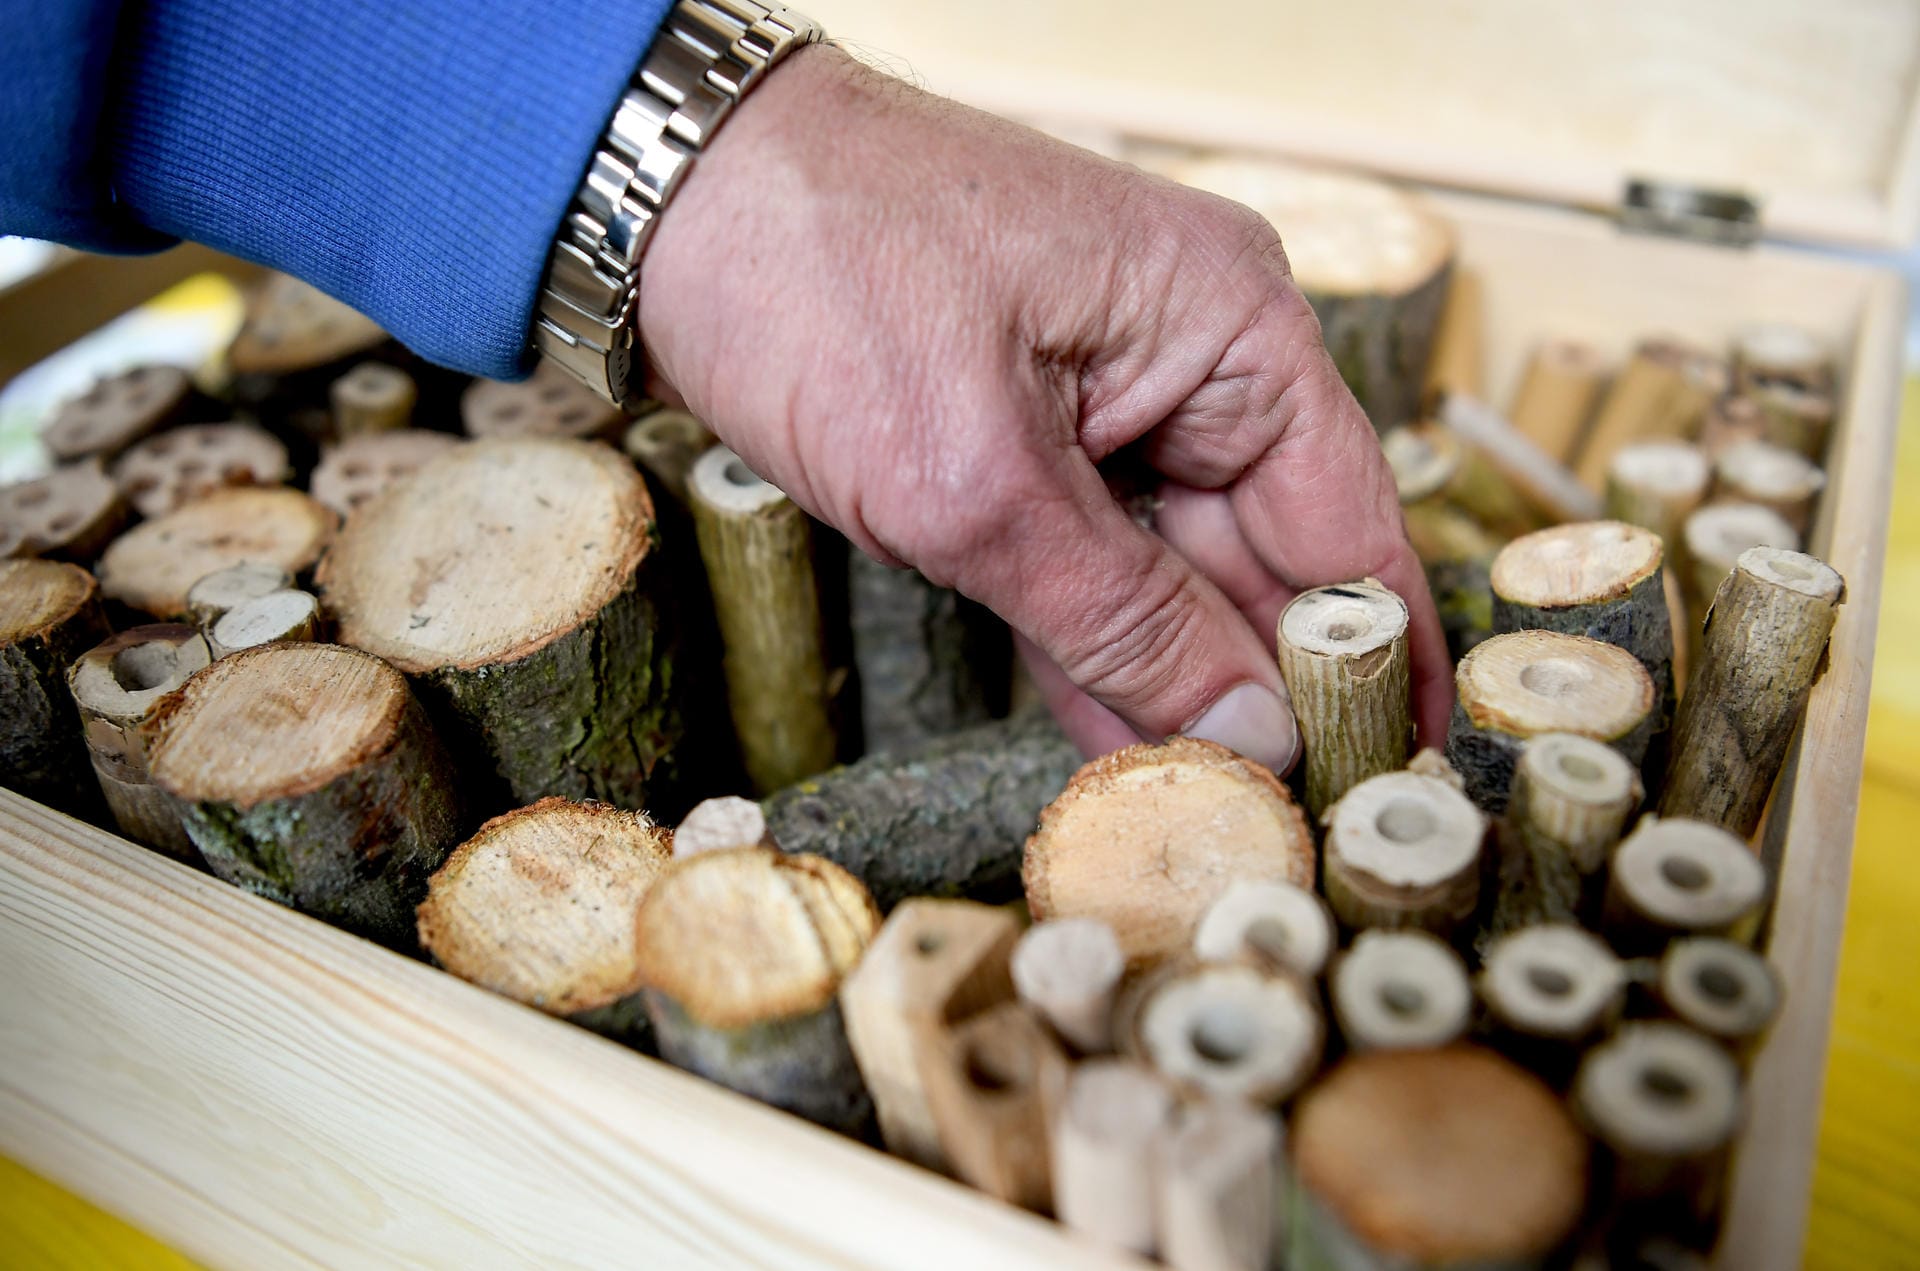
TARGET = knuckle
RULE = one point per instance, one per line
(1135, 652)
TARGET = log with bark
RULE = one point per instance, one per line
(72, 512)
(1721, 989)
(1657, 485)
(182, 464)
(929, 661)
(1779, 353)
(516, 582)
(1147, 838)
(1569, 805)
(1658, 395)
(950, 819)
(539, 906)
(1795, 419)
(278, 615)
(665, 444)
(213, 597)
(1430, 461)
(310, 776)
(1557, 394)
(1772, 477)
(152, 566)
(1716, 536)
(1433, 1158)
(1551, 990)
(1674, 877)
(1224, 1030)
(1456, 553)
(1764, 645)
(121, 686)
(372, 398)
(49, 615)
(1730, 420)
(1270, 924)
(118, 411)
(1403, 849)
(365, 464)
(1375, 264)
(550, 403)
(1399, 990)
(1343, 655)
(742, 953)
(1106, 1140)
(1067, 970)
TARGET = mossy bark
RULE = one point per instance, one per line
(801, 1063)
(930, 661)
(42, 751)
(950, 819)
(1382, 342)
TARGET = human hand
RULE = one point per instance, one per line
(928, 326)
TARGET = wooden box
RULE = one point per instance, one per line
(261, 1090)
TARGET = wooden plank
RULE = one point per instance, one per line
(260, 1090)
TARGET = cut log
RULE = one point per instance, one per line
(309, 776)
(1570, 802)
(364, 465)
(1666, 1103)
(1551, 990)
(758, 548)
(1147, 838)
(1764, 646)
(1374, 263)
(1516, 686)
(1433, 1158)
(550, 403)
(73, 512)
(182, 464)
(1674, 877)
(994, 1085)
(1343, 654)
(278, 615)
(120, 687)
(1657, 485)
(152, 566)
(1773, 477)
(930, 661)
(742, 953)
(49, 615)
(116, 412)
(1548, 488)
(1105, 1144)
(539, 906)
(214, 596)
(1776, 354)
(516, 582)
(1225, 1030)
(1718, 535)
(372, 398)
(713, 825)
(1219, 1188)
(1270, 924)
(1722, 990)
(1795, 419)
(1430, 461)
(1399, 990)
(290, 326)
(1067, 970)
(934, 964)
(1403, 850)
(1649, 400)
(1557, 395)
(1730, 420)
(951, 819)
(666, 444)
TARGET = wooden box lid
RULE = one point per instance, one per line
(1813, 109)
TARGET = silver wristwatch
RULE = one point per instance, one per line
(705, 58)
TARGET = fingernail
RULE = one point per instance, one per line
(1253, 720)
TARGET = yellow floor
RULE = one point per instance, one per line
(1866, 1189)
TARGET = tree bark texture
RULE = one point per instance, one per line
(49, 615)
(930, 661)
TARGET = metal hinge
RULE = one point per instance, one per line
(1726, 217)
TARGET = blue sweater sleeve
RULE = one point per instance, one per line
(412, 157)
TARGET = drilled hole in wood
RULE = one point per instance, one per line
(207, 440)
(1663, 1085)
(1552, 677)
(353, 471)
(31, 498)
(1268, 936)
(1719, 983)
(738, 473)
(511, 411)
(1405, 821)
(1401, 999)
(160, 446)
(1551, 981)
(1348, 624)
(1220, 1035)
(553, 393)
(1580, 768)
(572, 415)
(1682, 873)
(142, 666)
(928, 943)
(61, 524)
(987, 1075)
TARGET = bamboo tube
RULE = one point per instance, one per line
(278, 615)
(308, 775)
(116, 412)
(1780, 354)
(758, 548)
(1218, 1188)
(1067, 970)
(1224, 1030)
(1274, 925)
(1717, 535)
(1397, 990)
(934, 964)
(549, 403)
(743, 953)
(372, 398)
(1772, 477)
(713, 825)
(1674, 877)
(72, 512)
(1343, 654)
(1639, 406)
(1765, 644)
(1570, 802)
(1542, 481)
(1795, 419)
(1551, 990)
(1149, 836)
(1721, 990)
(517, 583)
(179, 465)
(930, 661)
(1666, 1103)
(994, 1084)
(1517, 686)
(539, 906)
(1430, 461)
(950, 819)
(1458, 363)
(1403, 850)
(1657, 485)
(1105, 1144)
(152, 566)
(365, 464)
(49, 615)
(1557, 394)
(213, 597)
(665, 444)
(120, 687)
(1433, 1158)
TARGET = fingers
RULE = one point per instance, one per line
(1088, 724)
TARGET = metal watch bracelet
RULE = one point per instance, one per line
(707, 56)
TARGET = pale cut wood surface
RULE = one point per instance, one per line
(153, 565)
(198, 1054)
